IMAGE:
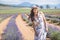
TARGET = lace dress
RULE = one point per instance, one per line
(40, 28)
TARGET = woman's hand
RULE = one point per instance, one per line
(27, 16)
(46, 29)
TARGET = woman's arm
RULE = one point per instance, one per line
(34, 24)
(45, 22)
(28, 16)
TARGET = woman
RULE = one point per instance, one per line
(39, 24)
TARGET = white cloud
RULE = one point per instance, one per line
(39, 2)
(46, 2)
(10, 1)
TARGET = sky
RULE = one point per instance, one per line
(39, 2)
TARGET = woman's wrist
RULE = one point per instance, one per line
(46, 29)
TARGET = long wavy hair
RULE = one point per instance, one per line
(32, 14)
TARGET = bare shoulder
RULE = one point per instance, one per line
(41, 13)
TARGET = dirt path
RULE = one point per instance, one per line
(12, 32)
(3, 24)
(27, 33)
(16, 24)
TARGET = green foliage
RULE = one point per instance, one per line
(54, 21)
(47, 19)
(27, 21)
(58, 23)
(30, 24)
(41, 7)
(55, 36)
(47, 6)
(24, 20)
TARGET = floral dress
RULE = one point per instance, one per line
(40, 28)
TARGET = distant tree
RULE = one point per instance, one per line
(37, 5)
(47, 6)
(41, 7)
(55, 7)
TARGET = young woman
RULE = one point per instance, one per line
(39, 24)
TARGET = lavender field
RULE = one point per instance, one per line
(12, 31)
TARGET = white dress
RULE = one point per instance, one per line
(40, 28)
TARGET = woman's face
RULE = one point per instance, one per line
(35, 11)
